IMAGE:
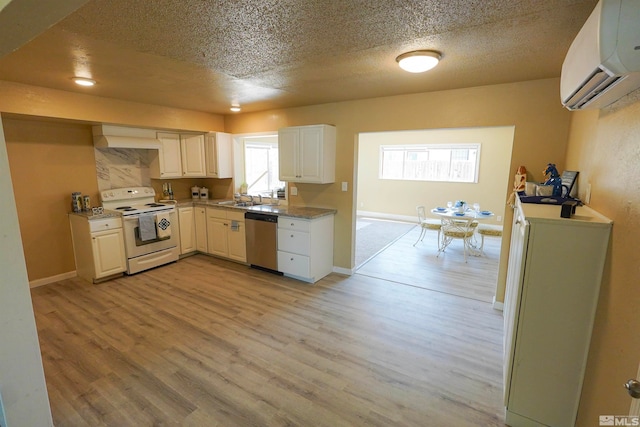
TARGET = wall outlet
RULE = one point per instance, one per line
(499, 218)
(294, 191)
(344, 186)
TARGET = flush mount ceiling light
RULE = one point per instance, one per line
(235, 108)
(83, 81)
(419, 61)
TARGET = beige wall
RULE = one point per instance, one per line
(541, 131)
(48, 161)
(605, 147)
(400, 198)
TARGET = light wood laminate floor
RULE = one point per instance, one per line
(206, 342)
(420, 265)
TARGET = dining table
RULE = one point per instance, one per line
(460, 223)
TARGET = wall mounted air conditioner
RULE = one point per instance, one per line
(603, 62)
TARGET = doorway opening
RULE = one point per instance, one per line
(387, 203)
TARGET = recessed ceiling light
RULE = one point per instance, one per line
(419, 61)
(83, 81)
(235, 108)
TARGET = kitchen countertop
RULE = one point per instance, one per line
(90, 216)
(304, 212)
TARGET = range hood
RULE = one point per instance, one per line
(110, 136)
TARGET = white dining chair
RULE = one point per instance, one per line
(427, 224)
(458, 229)
(488, 230)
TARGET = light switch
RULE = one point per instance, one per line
(344, 185)
(294, 191)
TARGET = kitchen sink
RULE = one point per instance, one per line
(245, 204)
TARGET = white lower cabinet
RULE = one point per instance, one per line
(98, 247)
(553, 283)
(226, 234)
(187, 230)
(305, 247)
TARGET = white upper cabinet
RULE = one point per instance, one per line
(307, 154)
(193, 160)
(181, 155)
(219, 159)
(193, 155)
(167, 163)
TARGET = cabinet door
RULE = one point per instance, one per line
(169, 155)
(201, 229)
(237, 240)
(187, 230)
(217, 236)
(310, 154)
(288, 142)
(519, 239)
(108, 252)
(192, 150)
(218, 153)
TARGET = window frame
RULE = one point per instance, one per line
(422, 148)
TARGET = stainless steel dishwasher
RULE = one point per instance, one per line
(262, 240)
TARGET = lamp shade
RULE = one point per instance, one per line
(419, 61)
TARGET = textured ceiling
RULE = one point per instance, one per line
(205, 55)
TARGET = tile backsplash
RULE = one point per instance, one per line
(122, 167)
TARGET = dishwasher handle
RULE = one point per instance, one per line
(261, 217)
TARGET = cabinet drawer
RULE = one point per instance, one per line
(104, 224)
(290, 223)
(293, 241)
(293, 264)
(216, 213)
(236, 216)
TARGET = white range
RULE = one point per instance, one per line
(150, 228)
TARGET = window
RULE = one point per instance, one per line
(452, 163)
(261, 165)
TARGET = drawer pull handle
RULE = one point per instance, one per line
(292, 236)
(291, 259)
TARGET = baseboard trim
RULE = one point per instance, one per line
(52, 279)
(497, 305)
(388, 216)
(345, 271)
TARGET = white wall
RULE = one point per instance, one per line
(22, 383)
